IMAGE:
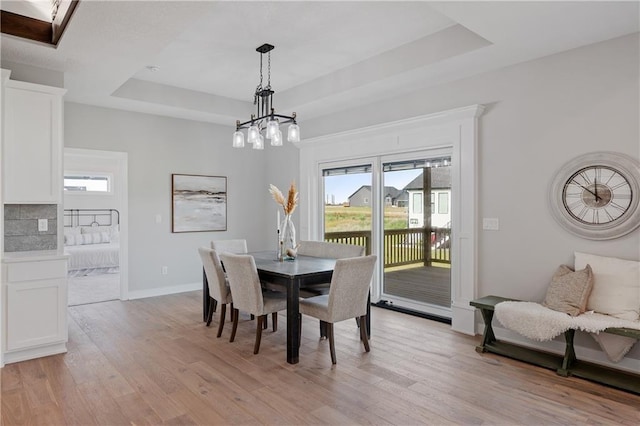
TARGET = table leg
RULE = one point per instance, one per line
(293, 326)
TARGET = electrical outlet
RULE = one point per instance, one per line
(165, 270)
(43, 225)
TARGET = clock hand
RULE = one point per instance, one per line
(588, 190)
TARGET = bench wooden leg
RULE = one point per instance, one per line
(488, 337)
(569, 354)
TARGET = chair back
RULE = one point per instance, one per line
(244, 282)
(350, 287)
(329, 250)
(238, 246)
(215, 275)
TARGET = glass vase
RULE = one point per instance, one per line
(288, 243)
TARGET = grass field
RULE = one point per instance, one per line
(340, 218)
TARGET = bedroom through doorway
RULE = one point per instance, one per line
(94, 225)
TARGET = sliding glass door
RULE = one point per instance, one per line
(398, 207)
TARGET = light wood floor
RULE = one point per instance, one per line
(153, 361)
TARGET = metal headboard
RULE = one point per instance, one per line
(91, 217)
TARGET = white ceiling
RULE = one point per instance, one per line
(328, 56)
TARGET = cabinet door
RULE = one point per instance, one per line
(36, 313)
(32, 147)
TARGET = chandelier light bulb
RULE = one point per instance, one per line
(293, 135)
(276, 139)
(238, 139)
(259, 143)
(252, 134)
(272, 128)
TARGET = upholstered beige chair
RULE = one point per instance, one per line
(218, 286)
(237, 246)
(248, 295)
(347, 297)
(330, 251)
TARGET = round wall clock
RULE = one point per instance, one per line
(597, 195)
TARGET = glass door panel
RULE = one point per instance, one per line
(416, 234)
(348, 205)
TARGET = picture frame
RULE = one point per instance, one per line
(198, 203)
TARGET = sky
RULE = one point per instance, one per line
(337, 189)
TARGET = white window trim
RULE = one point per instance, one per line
(458, 129)
(109, 176)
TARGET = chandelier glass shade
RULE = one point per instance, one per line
(265, 123)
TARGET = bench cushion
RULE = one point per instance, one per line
(616, 285)
(569, 290)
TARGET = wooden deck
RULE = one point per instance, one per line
(427, 284)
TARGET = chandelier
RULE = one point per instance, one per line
(265, 123)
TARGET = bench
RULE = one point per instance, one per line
(567, 365)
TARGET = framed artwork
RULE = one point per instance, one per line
(198, 203)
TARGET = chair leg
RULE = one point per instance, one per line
(215, 304)
(211, 310)
(231, 316)
(261, 320)
(223, 311)
(363, 333)
(235, 314)
(274, 320)
(332, 346)
(323, 330)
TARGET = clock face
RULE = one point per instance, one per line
(596, 195)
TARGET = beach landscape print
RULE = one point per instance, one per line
(199, 203)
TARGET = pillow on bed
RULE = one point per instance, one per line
(71, 240)
(569, 290)
(112, 231)
(616, 285)
(94, 238)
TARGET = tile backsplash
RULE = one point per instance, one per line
(21, 227)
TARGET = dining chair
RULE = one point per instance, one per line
(218, 286)
(327, 250)
(238, 246)
(248, 295)
(347, 298)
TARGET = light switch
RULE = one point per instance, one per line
(490, 223)
(43, 225)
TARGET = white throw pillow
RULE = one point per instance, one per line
(616, 285)
(71, 240)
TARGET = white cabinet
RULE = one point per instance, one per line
(35, 306)
(32, 145)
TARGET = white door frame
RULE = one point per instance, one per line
(458, 129)
(121, 194)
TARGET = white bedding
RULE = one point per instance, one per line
(93, 256)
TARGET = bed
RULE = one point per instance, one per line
(91, 239)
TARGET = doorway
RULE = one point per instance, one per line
(95, 225)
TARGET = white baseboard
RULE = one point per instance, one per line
(31, 353)
(162, 291)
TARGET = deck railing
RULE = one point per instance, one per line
(402, 246)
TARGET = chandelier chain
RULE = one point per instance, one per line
(269, 72)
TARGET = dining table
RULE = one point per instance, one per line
(291, 274)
